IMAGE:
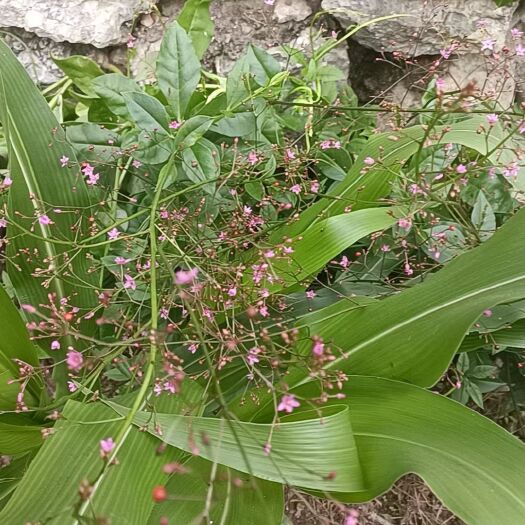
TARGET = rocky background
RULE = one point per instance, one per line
(391, 60)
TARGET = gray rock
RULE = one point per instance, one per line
(95, 22)
(431, 24)
(291, 11)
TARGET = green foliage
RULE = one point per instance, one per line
(239, 283)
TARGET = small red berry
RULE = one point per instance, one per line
(68, 316)
(159, 494)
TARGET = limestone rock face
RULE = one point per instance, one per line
(95, 22)
(291, 10)
(431, 24)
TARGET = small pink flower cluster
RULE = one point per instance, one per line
(89, 172)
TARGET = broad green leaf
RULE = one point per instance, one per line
(110, 88)
(513, 336)
(18, 434)
(147, 113)
(11, 475)
(201, 162)
(40, 185)
(192, 131)
(304, 452)
(81, 70)
(470, 463)
(122, 492)
(235, 497)
(94, 143)
(14, 340)
(324, 241)
(238, 125)
(483, 217)
(413, 335)
(178, 69)
(364, 188)
(256, 64)
(196, 21)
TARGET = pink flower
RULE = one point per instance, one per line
(263, 311)
(327, 144)
(55, 345)
(30, 309)
(492, 118)
(44, 220)
(461, 168)
(64, 161)
(252, 356)
(74, 360)
(186, 277)
(487, 44)
(192, 348)
(440, 85)
(318, 347)
(252, 158)
(385, 248)
(447, 51)
(129, 282)
(92, 179)
(121, 260)
(511, 170)
(344, 262)
(314, 186)
(232, 292)
(131, 42)
(164, 313)
(71, 386)
(106, 446)
(516, 33)
(405, 223)
(369, 161)
(7, 181)
(408, 269)
(351, 517)
(487, 313)
(269, 2)
(113, 234)
(520, 50)
(288, 403)
(296, 188)
(290, 154)
(175, 124)
(310, 294)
